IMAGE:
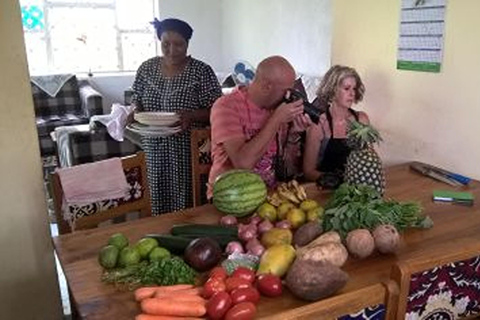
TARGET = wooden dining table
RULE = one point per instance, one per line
(78, 251)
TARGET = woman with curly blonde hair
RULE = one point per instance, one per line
(326, 150)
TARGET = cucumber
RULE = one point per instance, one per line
(174, 244)
(203, 229)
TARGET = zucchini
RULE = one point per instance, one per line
(174, 244)
(203, 229)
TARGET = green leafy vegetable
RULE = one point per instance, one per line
(357, 207)
(164, 272)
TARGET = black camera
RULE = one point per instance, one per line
(311, 110)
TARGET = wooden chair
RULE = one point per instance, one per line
(135, 170)
(341, 306)
(201, 163)
(426, 277)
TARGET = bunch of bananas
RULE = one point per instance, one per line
(287, 191)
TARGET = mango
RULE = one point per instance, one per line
(276, 260)
(276, 236)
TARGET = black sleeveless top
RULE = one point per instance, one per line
(333, 151)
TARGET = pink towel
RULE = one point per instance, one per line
(92, 182)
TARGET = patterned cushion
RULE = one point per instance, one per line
(448, 292)
(134, 179)
(67, 100)
(95, 146)
(47, 124)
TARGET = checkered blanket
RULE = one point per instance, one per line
(73, 104)
(77, 145)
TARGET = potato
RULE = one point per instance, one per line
(314, 280)
(386, 238)
(332, 252)
(306, 233)
(330, 236)
(360, 243)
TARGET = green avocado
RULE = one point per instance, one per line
(108, 256)
(118, 240)
(128, 256)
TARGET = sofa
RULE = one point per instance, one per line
(73, 104)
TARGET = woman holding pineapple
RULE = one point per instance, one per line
(326, 147)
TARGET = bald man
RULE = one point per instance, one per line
(247, 123)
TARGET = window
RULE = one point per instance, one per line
(87, 35)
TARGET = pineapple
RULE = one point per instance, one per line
(364, 166)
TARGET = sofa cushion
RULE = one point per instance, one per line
(47, 124)
(67, 100)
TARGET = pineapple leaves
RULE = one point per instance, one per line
(361, 207)
(361, 136)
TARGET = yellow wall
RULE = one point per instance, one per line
(423, 116)
(28, 285)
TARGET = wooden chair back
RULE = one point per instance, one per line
(423, 272)
(342, 305)
(201, 163)
(134, 167)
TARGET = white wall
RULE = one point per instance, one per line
(299, 30)
(112, 87)
(431, 117)
(205, 17)
(28, 283)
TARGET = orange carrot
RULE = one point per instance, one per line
(144, 316)
(193, 291)
(161, 307)
(149, 292)
(186, 297)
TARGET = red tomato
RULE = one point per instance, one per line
(218, 272)
(212, 286)
(244, 273)
(241, 311)
(218, 305)
(269, 285)
(235, 283)
(245, 295)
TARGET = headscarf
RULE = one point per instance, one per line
(179, 26)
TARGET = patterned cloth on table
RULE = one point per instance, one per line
(168, 158)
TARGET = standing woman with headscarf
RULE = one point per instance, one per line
(174, 82)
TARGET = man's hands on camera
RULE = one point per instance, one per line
(287, 112)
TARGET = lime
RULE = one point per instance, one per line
(268, 212)
(128, 256)
(315, 213)
(118, 240)
(145, 245)
(283, 209)
(158, 254)
(108, 256)
(308, 204)
(297, 217)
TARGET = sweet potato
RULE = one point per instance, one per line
(307, 233)
(314, 280)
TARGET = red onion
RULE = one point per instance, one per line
(255, 220)
(284, 224)
(255, 247)
(264, 226)
(228, 220)
(247, 232)
(234, 246)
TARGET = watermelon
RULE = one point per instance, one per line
(239, 192)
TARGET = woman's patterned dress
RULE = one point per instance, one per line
(168, 158)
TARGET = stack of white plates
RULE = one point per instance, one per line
(165, 119)
(155, 124)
